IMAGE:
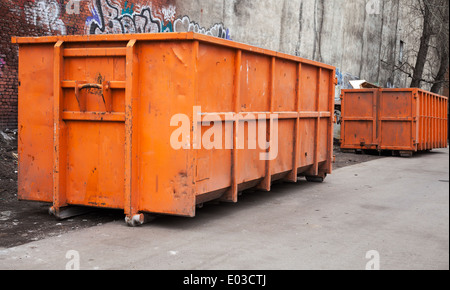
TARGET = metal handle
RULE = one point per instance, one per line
(106, 93)
(90, 86)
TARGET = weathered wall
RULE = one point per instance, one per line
(360, 37)
(73, 17)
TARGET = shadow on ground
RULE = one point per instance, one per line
(24, 222)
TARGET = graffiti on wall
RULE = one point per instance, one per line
(110, 18)
(343, 82)
(2, 65)
(115, 17)
(344, 79)
(45, 14)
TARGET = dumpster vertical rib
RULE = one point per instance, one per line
(130, 190)
(436, 127)
(343, 141)
(329, 164)
(432, 107)
(441, 141)
(431, 122)
(375, 125)
(434, 121)
(425, 117)
(233, 196)
(444, 121)
(421, 127)
(445, 134)
(378, 95)
(293, 176)
(315, 170)
(192, 155)
(59, 198)
(439, 122)
(267, 181)
(297, 130)
(413, 129)
(416, 120)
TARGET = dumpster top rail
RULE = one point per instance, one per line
(166, 37)
(394, 90)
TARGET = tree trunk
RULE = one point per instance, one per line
(440, 78)
(443, 49)
(423, 50)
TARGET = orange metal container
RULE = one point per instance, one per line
(405, 120)
(95, 120)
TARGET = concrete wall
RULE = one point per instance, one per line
(360, 37)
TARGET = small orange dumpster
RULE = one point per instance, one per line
(119, 121)
(401, 120)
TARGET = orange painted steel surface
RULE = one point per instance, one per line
(393, 119)
(95, 113)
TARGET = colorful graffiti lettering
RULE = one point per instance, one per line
(107, 18)
(112, 18)
(46, 14)
(343, 82)
(344, 79)
(128, 10)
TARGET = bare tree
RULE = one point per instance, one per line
(424, 58)
(435, 24)
(443, 48)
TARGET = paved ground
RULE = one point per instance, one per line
(396, 206)
(24, 222)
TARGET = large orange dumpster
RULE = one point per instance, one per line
(401, 120)
(118, 121)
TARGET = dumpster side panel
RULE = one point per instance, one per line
(445, 122)
(285, 100)
(216, 80)
(254, 98)
(95, 156)
(396, 111)
(359, 115)
(35, 142)
(308, 88)
(316, 104)
(309, 78)
(326, 104)
(421, 138)
(306, 134)
(167, 82)
(95, 160)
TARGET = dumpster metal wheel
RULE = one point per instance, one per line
(139, 219)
